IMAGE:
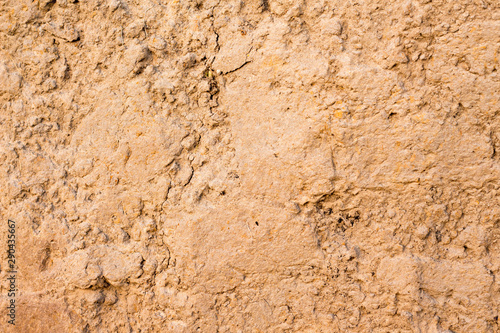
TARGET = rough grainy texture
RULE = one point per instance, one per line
(251, 166)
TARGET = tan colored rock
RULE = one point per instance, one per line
(251, 166)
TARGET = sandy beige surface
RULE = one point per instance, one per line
(250, 166)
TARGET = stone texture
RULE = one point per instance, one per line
(251, 166)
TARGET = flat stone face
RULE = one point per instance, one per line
(255, 166)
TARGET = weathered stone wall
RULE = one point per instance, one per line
(251, 166)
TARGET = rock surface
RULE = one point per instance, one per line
(251, 166)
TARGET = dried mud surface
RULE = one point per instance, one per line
(251, 166)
